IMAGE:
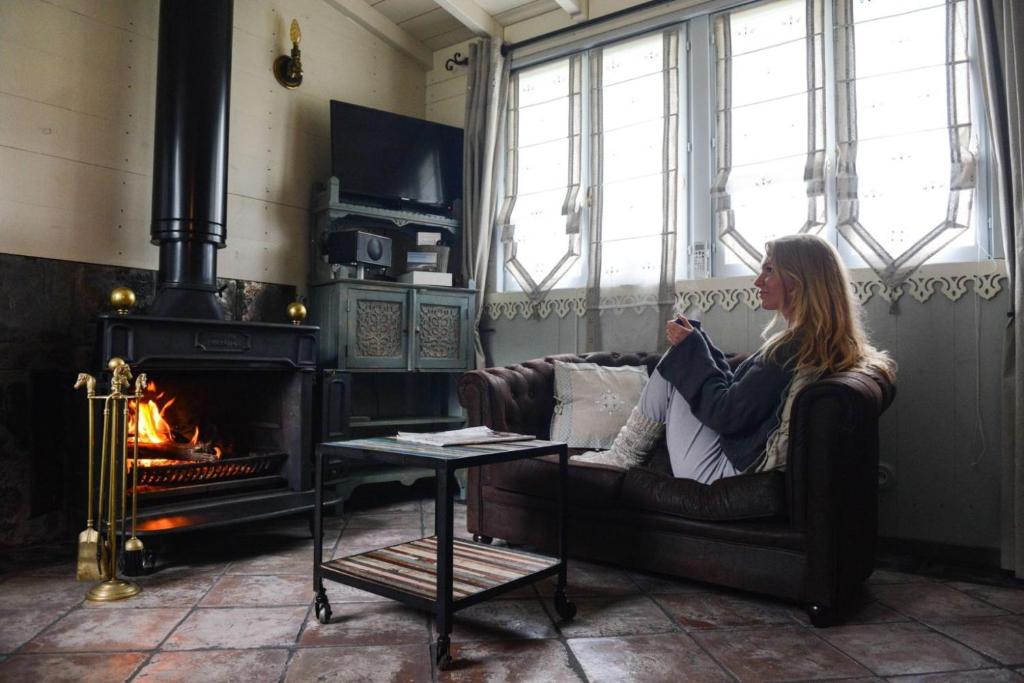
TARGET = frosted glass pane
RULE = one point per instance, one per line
(626, 61)
(540, 245)
(539, 207)
(631, 262)
(544, 166)
(540, 235)
(633, 151)
(903, 187)
(544, 122)
(641, 99)
(770, 73)
(632, 208)
(769, 199)
(900, 43)
(769, 130)
(866, 10)
(767, 24)
(543, 83)
(901, 103)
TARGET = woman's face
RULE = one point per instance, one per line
(771, 287)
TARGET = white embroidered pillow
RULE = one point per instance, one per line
(592, 402)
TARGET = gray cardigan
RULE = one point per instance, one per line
(742, 406)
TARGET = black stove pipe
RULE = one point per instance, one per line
(190, 155)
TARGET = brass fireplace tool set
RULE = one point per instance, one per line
(98, 548)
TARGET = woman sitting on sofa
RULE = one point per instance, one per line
(720, 422)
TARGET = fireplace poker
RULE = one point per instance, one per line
(133, 548)
(88, 568)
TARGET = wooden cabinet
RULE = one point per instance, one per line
(390, 356)
(386, 326)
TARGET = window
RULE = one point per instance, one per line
(541, 214)
(634, 159)
(801, 131)
(769, 126)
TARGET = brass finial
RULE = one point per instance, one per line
(122, 376)
(288, 70)
(122, 299)
(296, 312)
(88, 381)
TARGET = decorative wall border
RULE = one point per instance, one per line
(953, 280)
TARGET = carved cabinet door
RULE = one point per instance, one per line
(377, 329)
(441, 327)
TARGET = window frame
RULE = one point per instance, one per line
(696, 135)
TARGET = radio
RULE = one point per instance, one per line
(354, 247)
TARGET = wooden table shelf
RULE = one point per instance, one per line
(412, 568)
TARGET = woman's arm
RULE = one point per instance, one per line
(727, 403)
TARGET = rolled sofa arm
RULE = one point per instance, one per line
(832, 479)
(517, 398)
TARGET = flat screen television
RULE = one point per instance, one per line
(395, 161)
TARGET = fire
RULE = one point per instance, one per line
(155, 431)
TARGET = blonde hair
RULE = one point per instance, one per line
(824, 318)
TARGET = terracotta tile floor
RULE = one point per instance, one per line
(236, 606)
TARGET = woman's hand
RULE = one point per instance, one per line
(677, 329)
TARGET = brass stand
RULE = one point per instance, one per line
(113, 459)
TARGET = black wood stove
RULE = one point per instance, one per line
(248, 385)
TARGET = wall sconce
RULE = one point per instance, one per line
(288, 70)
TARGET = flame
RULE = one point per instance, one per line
(152, 427)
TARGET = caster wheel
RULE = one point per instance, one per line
(322, 608)
(444, 655)
(477, 538)
(821, 616)
(565, 608)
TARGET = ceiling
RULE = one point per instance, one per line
(422, 27)
(438, 24)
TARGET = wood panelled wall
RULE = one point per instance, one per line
(77, 97)
(941, 438)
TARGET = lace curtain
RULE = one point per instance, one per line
(769, 126)
(542, 175)
(905, 174)
(633, 191)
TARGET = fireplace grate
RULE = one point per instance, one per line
(203, 472)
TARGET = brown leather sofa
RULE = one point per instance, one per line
(807, 533)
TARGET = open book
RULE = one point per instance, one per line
(461, 437)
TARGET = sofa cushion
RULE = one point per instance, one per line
(747, 496)
(590, 484)
(593, 401)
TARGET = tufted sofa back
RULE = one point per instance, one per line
(525, 392)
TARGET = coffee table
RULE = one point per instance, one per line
(439, 573)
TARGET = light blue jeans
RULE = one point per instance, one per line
(694, 449)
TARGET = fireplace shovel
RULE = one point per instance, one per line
(89, 540)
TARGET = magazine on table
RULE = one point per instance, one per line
(461, 437)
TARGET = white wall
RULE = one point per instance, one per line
(77, 97)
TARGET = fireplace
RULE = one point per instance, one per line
(233, 406)
(247, 387)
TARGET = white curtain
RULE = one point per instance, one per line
(1000, 27)
(634, 165)
(487, 90)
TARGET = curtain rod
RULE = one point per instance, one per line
(508, 47)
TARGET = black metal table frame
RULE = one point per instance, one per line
(444, 605)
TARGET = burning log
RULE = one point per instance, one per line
(178, 451)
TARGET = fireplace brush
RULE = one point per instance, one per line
(113, 457)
